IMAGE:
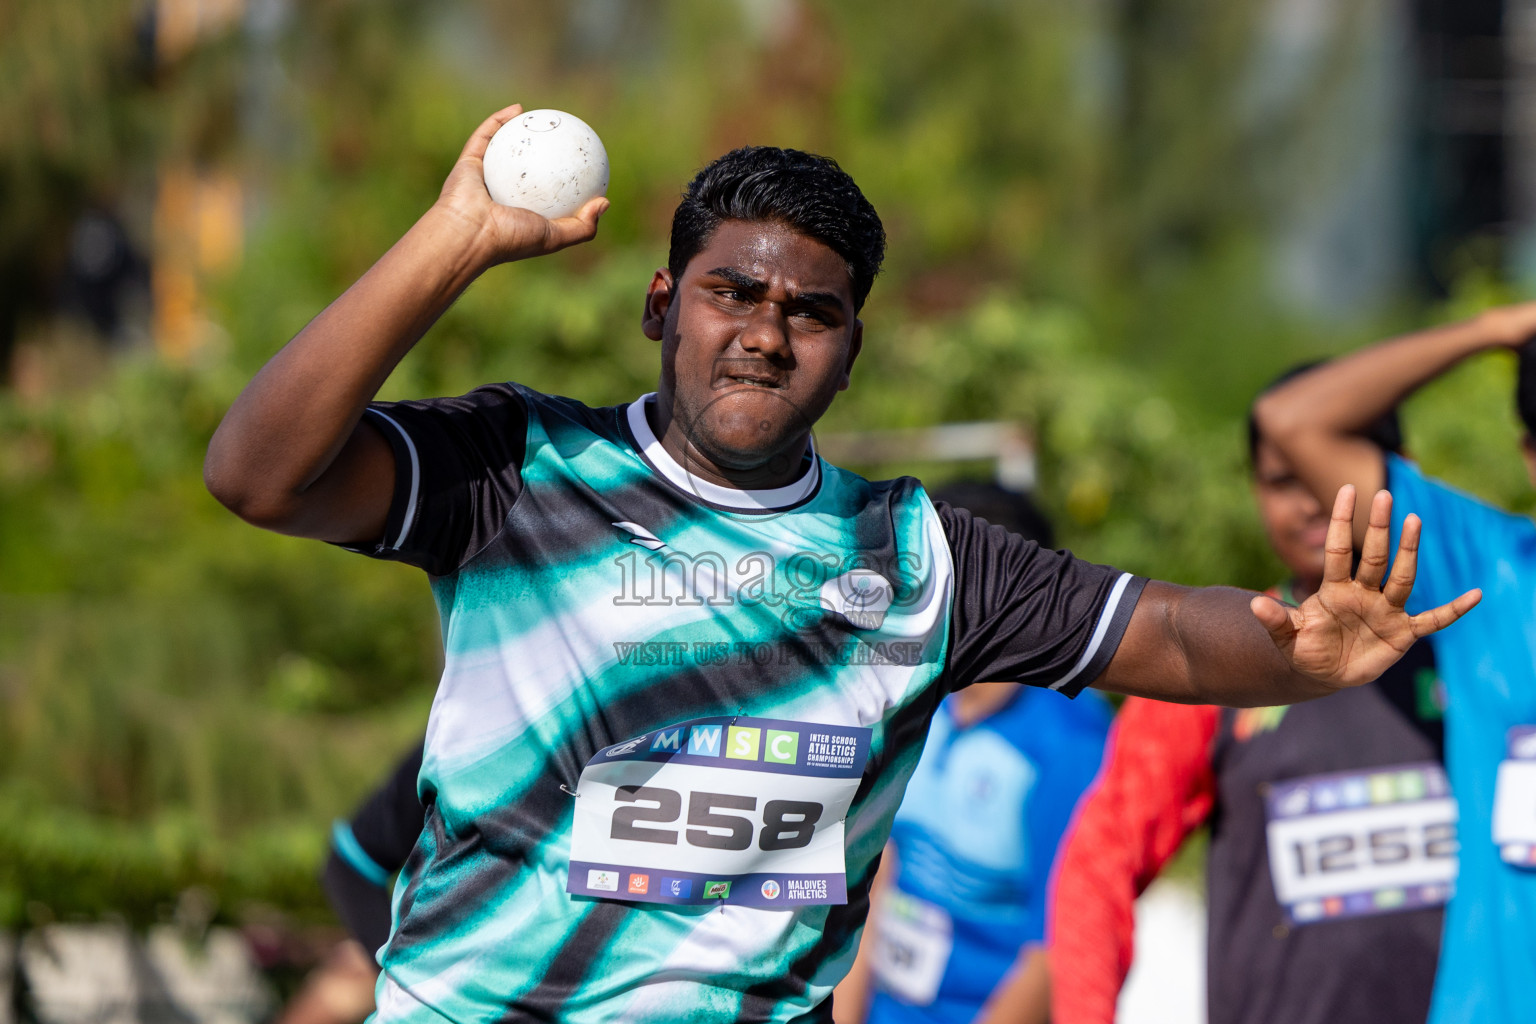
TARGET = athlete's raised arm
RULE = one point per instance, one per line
(293, 453)
(1319, 418)
(1217, 645)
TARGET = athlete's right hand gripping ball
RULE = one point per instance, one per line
(546, 161)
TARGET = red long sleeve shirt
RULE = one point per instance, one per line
(1156, 786)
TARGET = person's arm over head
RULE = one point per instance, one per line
(293, 453)
(1155, 787)
(1218, 645)
(1317, 419)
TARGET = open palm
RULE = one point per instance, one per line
(1355, 626)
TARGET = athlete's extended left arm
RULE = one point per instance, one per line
(1219, 645)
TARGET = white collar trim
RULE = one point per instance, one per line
(738, 498)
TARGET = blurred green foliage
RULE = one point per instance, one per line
(1076, 207)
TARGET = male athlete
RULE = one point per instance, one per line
(1488, 958)
(1333, 837)
(689, 665)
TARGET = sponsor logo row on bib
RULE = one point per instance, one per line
(639, 884)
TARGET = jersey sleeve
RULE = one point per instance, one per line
(368, 850)
(389, 822)
(1024, 613)
(1458, 532)
(458, 469)
(1155, 787)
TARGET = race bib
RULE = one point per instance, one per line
(913, 940)
(730, 810)
(1514, 799)
(1347, 844)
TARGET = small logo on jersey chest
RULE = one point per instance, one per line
(641, 536)
(862, 596)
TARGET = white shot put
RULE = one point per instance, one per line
(546, 161)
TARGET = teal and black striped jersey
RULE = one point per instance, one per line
(596, 598)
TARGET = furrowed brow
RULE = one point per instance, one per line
(753, 286)
(817, 299)
(740, 280)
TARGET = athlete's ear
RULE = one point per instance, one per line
(855, 345)
(658, 299)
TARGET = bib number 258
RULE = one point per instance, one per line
(786, 824)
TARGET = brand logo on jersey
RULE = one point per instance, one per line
(717, 890)
(624, 748)
(639, 884)
(771, 890)
(603, 881)
(862, 596)
(704, 740)
(641, 536)
(668, 739)
(682, 888)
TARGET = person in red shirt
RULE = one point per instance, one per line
(1345, 926)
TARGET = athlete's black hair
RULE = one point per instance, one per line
(809, 193)
(1386, 433)
(1525, 386)
(1000, 506)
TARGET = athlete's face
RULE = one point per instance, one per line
(1296, 522)
(758, 335)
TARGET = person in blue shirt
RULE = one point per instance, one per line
(1487, 663)
(958, 915)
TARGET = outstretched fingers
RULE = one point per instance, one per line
(1437, 619)
(1405, 566)
(1373, 552)
(1339, 549)
(478, 142)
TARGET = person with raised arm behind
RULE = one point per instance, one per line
(1488, 959)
